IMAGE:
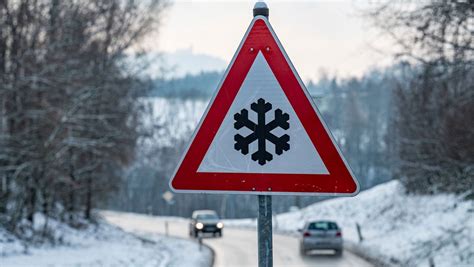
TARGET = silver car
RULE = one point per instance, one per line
(205, 221)
(319, 235)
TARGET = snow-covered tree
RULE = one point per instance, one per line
(68, 105)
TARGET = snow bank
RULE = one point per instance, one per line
(100, 245)
(399, 229)
(181, 252)
(9, 244)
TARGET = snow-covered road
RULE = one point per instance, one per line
(238, 247)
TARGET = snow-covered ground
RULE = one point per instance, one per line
(399, 229)
(184, 252)
(102, 245)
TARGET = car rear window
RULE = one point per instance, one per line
(322, 226)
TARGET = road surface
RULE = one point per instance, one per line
(237, 247)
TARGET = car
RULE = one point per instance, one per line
(205, 221)
(321, 235)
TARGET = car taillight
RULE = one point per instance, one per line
(339, 234)
(305, 234)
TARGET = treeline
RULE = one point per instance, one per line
(357, 111)
(69, 119)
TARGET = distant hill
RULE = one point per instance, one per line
(186, 61)
(200, 85)
(204, 84)
(175, 64)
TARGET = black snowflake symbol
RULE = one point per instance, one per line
(261, 131)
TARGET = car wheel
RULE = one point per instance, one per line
(196, 234)
(339, 252)
(219, 233)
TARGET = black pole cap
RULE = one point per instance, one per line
(261, 9)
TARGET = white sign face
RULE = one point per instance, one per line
(301, 155)
(262, 133)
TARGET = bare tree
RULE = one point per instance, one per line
(435, 105)
(69, 104)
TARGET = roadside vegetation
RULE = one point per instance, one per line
(69, 119)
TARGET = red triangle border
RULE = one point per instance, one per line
(339, 181)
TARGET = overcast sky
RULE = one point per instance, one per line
(317, 35)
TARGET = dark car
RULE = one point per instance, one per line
(321, 235)
(205, 221)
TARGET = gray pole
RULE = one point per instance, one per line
(265, 242)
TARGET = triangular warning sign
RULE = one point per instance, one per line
(262, 133)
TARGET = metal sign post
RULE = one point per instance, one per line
(265, 239)
(265, 242)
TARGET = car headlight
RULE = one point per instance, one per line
(199, 226)
(220, 225)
